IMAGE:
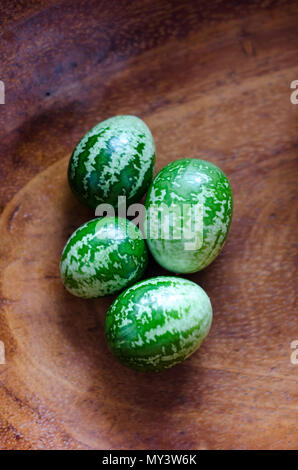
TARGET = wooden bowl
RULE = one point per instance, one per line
(212, 80)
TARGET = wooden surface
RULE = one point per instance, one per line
(212, 80)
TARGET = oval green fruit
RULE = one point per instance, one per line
(158, 323)
(189, 212)
(102, 257)
(115, 158)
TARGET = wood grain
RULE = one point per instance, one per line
(212, 80)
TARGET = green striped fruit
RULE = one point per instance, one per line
(102, 257)
(199, 197)
(115, 158)
(158, 323)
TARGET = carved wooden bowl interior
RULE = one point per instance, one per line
(212, 80)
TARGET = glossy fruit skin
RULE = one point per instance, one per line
(115, 158)
(102, 257)
(158, 323)
(191, 181)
